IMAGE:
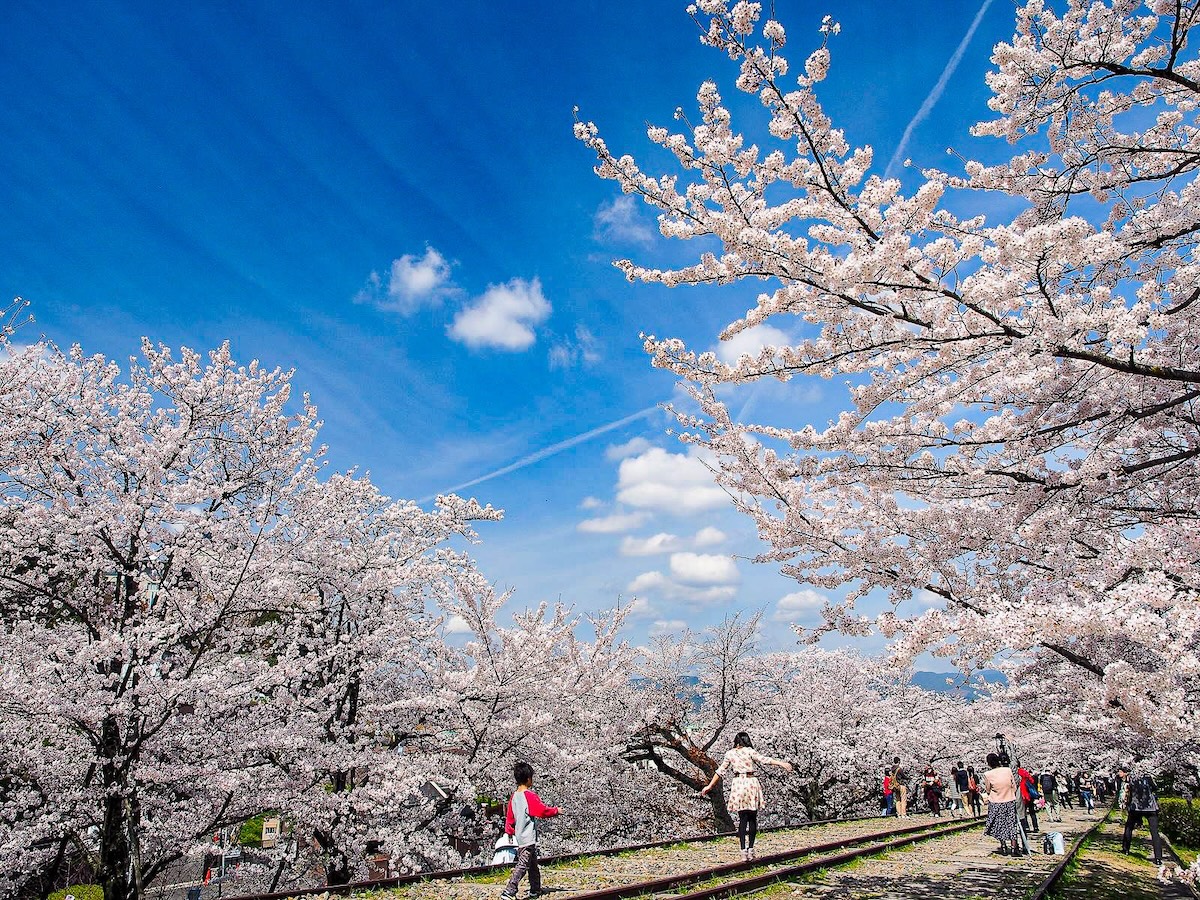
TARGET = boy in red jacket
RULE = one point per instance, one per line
(524, 809)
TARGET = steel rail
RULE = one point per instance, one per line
(899, 838)
(446, 874)
(1051, 881)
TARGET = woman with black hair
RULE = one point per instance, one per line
(1002, 823)
(933, 791)
(746, 795)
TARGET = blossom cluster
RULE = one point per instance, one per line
(1020, 453)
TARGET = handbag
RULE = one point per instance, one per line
(505, 849)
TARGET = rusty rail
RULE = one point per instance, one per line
(893, 839)
(446, 874)
(1051, 881)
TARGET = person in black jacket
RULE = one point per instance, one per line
(1050, 792)
(1142, 803)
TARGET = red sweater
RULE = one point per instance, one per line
(537, 809)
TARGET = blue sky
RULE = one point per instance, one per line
(388, 198)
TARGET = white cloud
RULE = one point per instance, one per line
(560, 357)
(668, 482)
(709, 537)
(750, 342)
(592, 503)
(614, 524)
(798, 603)
(640, 608)
(655, 544)
(413, 282)
(503, 317)
(666, 626)
(704, 569)
(583, 350)
(649, 581)
(457, 625)
(928, 599)
(619, 221)
(631, 447)
(658, 583)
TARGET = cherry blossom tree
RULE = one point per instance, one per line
(838, 717)
(413, 706)
(693, 694)
(351, 701)
(201, 625)
(173, 574)
(1021, 441)
(841, 718)
(551, 689)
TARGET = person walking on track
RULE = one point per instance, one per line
(973, 794)
(524, 809)
(1141, 799)
(746, 794)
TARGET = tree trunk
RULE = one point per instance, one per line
(115, 860)
(721, 817)
(338, 872)
(810, 799)
(337, 868)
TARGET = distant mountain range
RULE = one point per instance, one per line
(930, 681)
(936, 681)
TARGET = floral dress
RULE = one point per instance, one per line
(746, 792)
(1002, 821)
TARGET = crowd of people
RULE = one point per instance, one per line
(1014, 796)
(961, 791)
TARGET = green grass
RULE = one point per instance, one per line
(1100, 871)
(1186, 854)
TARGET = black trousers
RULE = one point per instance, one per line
(747, 827)
(527, 863)
(1133, 821)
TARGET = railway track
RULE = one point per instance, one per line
(1051, 881)
(701, 868)
(956, 867)
(738, 878)
(478, 871)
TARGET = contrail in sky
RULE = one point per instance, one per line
(937, 91)
(545, 452)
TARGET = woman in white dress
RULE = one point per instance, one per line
(746, 795)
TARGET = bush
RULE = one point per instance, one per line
(1180, 821)
(79, 892)
(250, 834)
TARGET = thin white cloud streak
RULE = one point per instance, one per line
(552, 450)
(938, 90)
